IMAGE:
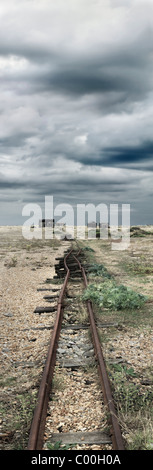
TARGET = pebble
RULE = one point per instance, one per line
(61, 351)
(9, 314)
(89, 353)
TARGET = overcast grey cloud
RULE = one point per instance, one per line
(76, 104)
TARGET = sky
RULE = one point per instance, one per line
(76, 105)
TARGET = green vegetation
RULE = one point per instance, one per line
(134, 407)
(17, 415)
(87, 248)
(139, 232)
(98, 270)
(133, 397)
(127, 394)
(117, 297)
(141, 268)
(58, 445)
(127, 371)
(6, 382)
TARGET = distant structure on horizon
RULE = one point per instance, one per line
(92, 224)
(100, 225)
(46, 223)
(60, 224)
(51, 223)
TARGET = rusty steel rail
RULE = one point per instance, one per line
(39, 418)
(38, 423)
(117, 440)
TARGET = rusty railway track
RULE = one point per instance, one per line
(36, 436)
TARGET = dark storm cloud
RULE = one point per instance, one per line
(87, 81)
(122, 70)
(12, 184)
(127, 75)
(123, 156)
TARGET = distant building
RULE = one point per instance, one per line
(60, 224)
(46, 223)
(92, 225)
